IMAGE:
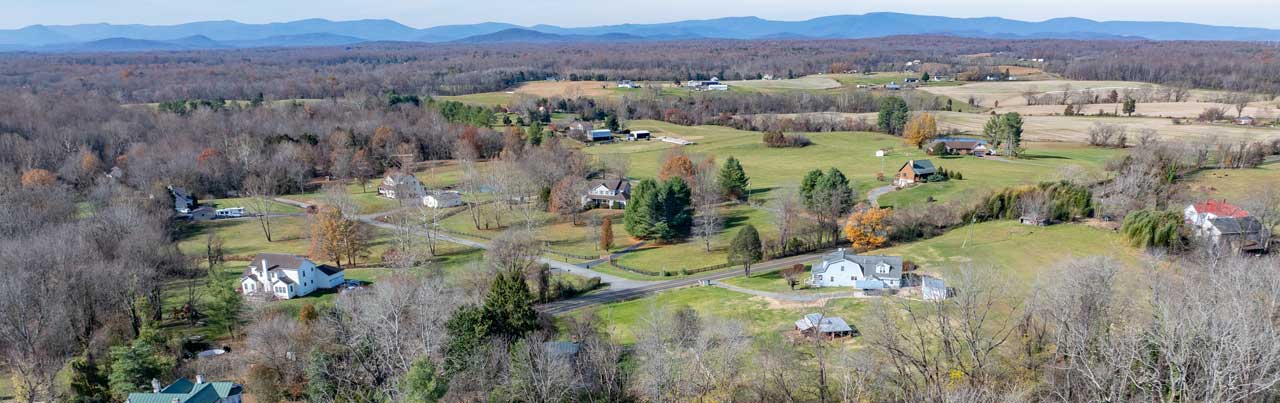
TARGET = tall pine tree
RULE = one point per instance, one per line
(675, 216)
(734, 180)
(641, 209)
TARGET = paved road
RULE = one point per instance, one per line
(792, 296)
(612, 295)
(873, 196)
(614, 282)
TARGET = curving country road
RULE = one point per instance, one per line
(620, 289)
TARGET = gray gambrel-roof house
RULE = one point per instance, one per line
(843, 268)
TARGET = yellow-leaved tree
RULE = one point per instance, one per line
(921, 130)
(867, 229)
(334, 237)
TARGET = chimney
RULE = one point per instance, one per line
(155, 385)
(199, 379)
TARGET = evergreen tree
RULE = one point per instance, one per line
(225, 305)
(535, 134)
(1013, 132)
(466, 333)
(746, 248)
(925, 77)
(807, 185)
(836, 185)
(733, 179)
(509, 307)
(641, 209)
(675, 217)
(611, 122)
(1130, 105)
(421, 384)
(1005, 131)
(893, 115)
(88, 384)
(134, 366)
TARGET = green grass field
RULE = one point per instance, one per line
(853, 154)
(250, 206)
(773, 282)
(1234, 184)
(365, 198)
(625, 320)
(1017, 253)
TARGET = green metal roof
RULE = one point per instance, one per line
(185, 391)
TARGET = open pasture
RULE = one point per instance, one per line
(1076, 128)
(802, 83)
(1264, 110)
(1010, 93)
(852, 152)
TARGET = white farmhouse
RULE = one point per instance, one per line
(288, 276)
(442, 200)
(846, 269)
(400, 185)
(607, 193)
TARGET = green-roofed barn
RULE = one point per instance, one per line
(185, 391)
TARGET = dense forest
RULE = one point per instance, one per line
(456, 69)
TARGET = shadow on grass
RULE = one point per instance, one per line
(1033, 157)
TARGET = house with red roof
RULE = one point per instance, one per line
(1224, 225)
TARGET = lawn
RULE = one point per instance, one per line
(692, 254)
(773, 282)
(1076, 128)
(365, 198)
(624, 320)
(250, 206)
(243, 238)
(1018, 252)
(1041, 162)
(852, 152)
(1234, 184)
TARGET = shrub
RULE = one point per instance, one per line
(775, 139)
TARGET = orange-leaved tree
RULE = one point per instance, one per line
(35, 178)
(606, 234)
(676, 163)
(334, 237)
(867, 229)
(920, 130)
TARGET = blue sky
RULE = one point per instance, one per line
(571, 13)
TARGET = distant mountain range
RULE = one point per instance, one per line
(320, 32)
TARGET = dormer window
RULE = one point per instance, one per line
(883, 268)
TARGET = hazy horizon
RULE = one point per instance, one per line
(581, 13)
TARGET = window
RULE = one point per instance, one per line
(818, 277)
(882, 268)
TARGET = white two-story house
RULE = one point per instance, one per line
(288, 276)
(399, 185)
(845, 269)
(607, 193)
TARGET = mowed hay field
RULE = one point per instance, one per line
(1009, 93)
(1076, 128)
(852, 152)
(802, 83)
(1265, 110)
(540, 89)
